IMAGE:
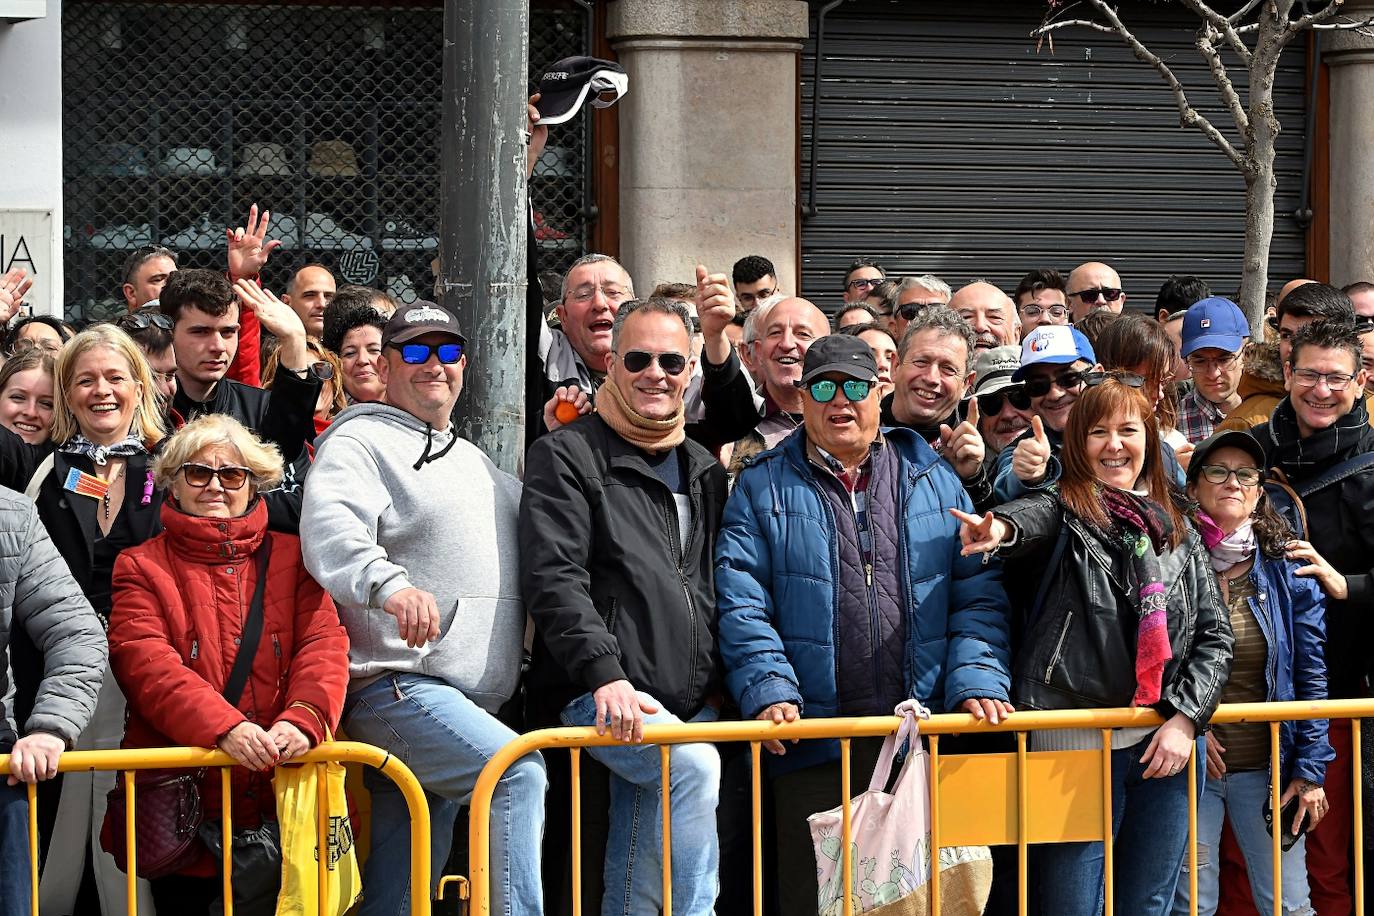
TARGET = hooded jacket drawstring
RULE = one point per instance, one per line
(425, 456)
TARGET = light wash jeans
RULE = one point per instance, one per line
(16, 884)
(1150, 839)
(634, 849)
(1240, 797)
(445, 739)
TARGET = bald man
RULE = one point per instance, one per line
(990, 313)
(777, 348)
(310, 290)
(1094, 286)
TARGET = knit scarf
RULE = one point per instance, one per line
(80, 445)
(1299, 456)
(638, 430)
(1143, 528)
(1226, 550)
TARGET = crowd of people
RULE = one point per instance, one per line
(248, 522)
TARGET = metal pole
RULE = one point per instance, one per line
(484, 214)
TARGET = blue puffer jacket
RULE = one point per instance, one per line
(777, 591)
(1292, 613)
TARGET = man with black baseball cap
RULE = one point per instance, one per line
(412, 529)
(839, 537)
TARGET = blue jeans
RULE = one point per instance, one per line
(446, 740)
(1240, 797)
(634, 849)
(16, 884)
(1150, 838)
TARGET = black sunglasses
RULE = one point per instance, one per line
(231, 478)
(1130, 379)
(1109, 293)
(1039, 387)
(417, 354)
(823, 390)
(911, 309)
(139, 321)
(990, 405)
(638, 361)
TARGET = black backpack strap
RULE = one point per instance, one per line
(252, 628)
(1335, 475)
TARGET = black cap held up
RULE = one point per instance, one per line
(565, 86)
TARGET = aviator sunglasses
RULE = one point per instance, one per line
(638, 361)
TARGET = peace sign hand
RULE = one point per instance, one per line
(980, 535)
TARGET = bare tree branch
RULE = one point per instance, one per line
(1188, 116)
(1206, 44)
(1066, 23)
(1320, 16)
(1222, 26)
(1239, 15)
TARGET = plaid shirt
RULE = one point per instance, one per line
(1198, 417)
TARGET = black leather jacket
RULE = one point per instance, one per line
(1079, 651)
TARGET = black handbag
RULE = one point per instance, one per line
(168, 815)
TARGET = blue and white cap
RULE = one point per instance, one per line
(1055, 343)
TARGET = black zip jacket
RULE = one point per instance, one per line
(1079, 651)
(603, 577)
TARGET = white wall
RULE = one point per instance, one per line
(31, 129)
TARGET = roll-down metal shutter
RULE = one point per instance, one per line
(949, 145)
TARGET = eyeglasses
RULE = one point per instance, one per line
(638, 361)
(1130, 379)
(1057, 312)
(1039, 387)
(417, 354)
(760, 296)
(587, 293)
(1336, 381)
(823, 389)
(139, 321)
(912, 309)
(990, 405)
(25, 344)
(230, 477)
(1219, 474)
(861, 283)
(1109, 293)
(1213, 364)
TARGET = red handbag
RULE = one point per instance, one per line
(166, 819)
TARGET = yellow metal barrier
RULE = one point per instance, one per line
(196, 758)
(981, 799)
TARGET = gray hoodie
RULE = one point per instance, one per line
(372, 525)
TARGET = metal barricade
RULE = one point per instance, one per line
(128, 761)
(1020, 798)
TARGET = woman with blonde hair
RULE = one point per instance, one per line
(93, 485)
(177, 628)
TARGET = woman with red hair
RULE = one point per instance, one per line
(1127, 614)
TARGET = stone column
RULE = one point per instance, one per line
(708, 135)
(1350, 57)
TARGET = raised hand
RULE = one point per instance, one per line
(980, 535)
(248, 245)
(715, 307)
(539, 135)
(1031, 460)
(13, 285)
(963, 445)
(277, 318)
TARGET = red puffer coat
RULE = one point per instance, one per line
(180, 603)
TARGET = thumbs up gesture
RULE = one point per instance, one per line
(1031, 460)
(963, 446)
(980, 535)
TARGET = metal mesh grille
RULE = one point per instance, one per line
(177, 117)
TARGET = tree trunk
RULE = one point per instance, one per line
(1259, 231)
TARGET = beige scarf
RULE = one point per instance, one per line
(638, 430)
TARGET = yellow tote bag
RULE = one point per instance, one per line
(298, 799)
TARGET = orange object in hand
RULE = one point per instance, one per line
(566, 412)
